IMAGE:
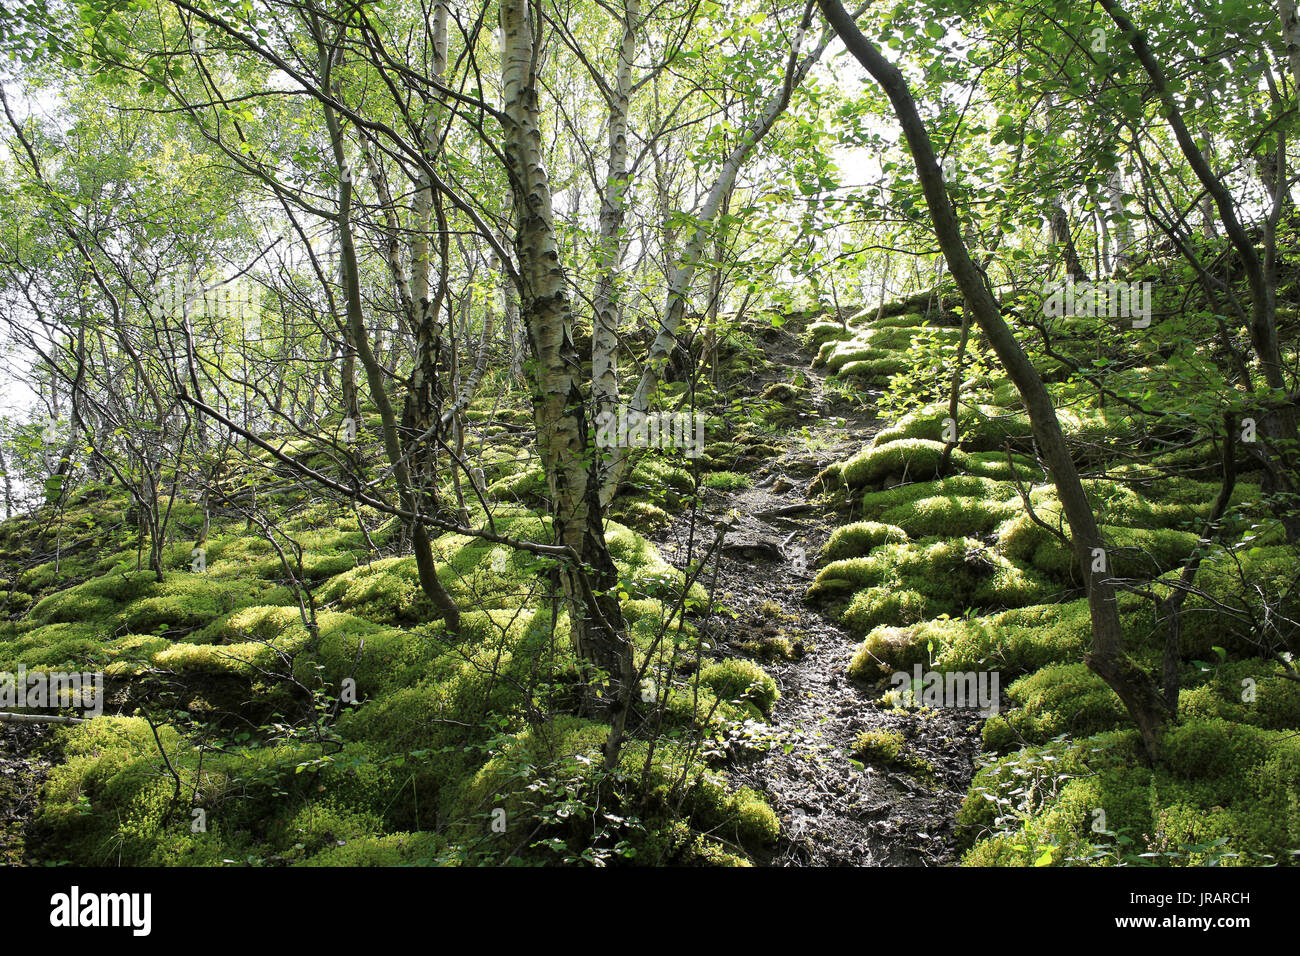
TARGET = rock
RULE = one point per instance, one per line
(753, 546)
(801, 467)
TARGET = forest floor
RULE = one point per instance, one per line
(22, 771)
(835, 810)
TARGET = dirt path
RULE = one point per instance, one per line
(835, 810)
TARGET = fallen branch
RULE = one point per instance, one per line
(39, 719)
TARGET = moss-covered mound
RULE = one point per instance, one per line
(954, 554)
(272, 704)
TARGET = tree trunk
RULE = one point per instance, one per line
(1063, 237)
(1291, 37)
(666, 341)
(424, 560)
(595, 618)
(1277, 423)
(613, 205)
(1120, 227)
(1108, 657)
(423, 412)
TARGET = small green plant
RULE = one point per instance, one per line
(727, 481)
(887, 748)
(879, 746)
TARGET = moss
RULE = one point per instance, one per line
(1250, 692)
(1142, 553)
(658, 478)
(819, 333)
(394, 849)
(430, 711)
(379, 658)
(887, 649)
(859, 538)
(926, 422)
(847, 575)
(949, 515)
(998, 466)
(873, 370)
(824, 352)
(643, 571)
(96, 599)
(885, 747)
(913, 459)
(1146, 552)
(879, 746)
(785, 393)
(1015, 642)
(872, 607)
(1213, 748)
(956, 573)
(1004, 796)
(642, 515)
(904, 320)
(187, 601)
(727, 481)
(441, 700)
(245, 659)
(1005, 394)
(40, 578)
(856, 351)
(526, 486)
(133, 653)
(1058, 699)
(772, 647)
(1224, 794)
(740, 816)
(73, 605)
(1026, 540)
(901, 337)
(53, 645)
(386, 591)
(568, 750)
(14, 602)
(1238, 589)
(111, 799)
(647, 609)
(983, 428)
(741, 680)
(322, 825)
(701, 851)
(876, 503)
